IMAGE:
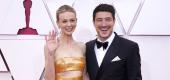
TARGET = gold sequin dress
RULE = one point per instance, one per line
(69, 64)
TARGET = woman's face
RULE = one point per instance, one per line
(67, 22)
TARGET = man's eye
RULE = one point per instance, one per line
(64, 21)
(99, 20)
(108, 19)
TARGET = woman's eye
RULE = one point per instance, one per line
(72, 20)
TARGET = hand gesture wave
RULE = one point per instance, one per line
(51, 42)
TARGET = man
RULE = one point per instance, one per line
(118, 58)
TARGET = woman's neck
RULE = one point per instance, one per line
(66, 39)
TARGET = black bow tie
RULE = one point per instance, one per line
(102, 44)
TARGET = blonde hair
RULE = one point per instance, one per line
(64, 8)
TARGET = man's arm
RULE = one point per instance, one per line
(134, 64)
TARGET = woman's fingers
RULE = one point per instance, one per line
(55, 33)
(46, 39)
(51, 36)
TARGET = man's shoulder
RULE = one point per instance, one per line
(126, 41)
(90, 42)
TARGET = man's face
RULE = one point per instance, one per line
(104, 23)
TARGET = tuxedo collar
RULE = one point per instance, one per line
(112, 50)
(109, 40)
(91, 58)
(110, 54)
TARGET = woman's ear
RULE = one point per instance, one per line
(76, 19)
(57, 24)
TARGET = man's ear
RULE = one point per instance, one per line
(114, 21)
(93, 22)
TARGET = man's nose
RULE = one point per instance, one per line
(103, 23)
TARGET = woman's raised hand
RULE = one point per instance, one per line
(51, 42)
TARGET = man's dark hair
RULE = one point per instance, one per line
(104, 8)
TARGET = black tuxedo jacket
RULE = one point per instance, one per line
(128, 68)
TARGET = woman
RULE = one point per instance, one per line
(64, 57)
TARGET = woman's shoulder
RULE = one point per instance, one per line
(82, 46)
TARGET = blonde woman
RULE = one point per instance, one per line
(64, 57)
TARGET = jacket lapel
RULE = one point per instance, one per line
(110, 54)
(92, 61)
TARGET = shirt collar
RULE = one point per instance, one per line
(109, 40)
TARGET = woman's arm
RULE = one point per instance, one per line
(85, 75)
(49, 51)
(49, 65)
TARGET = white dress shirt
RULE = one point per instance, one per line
(100, 52)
